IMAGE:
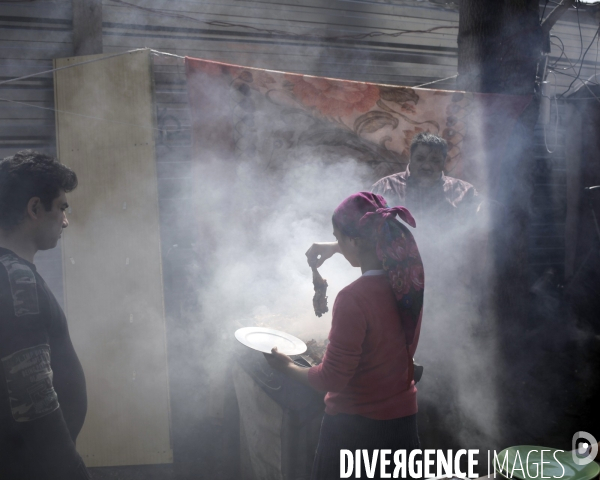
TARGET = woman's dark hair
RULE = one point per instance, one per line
(30, 174)
(429, 140)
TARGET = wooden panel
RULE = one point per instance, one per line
(112, 262)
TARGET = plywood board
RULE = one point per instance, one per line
(111, 257)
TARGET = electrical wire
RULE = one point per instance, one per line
(556, 127)
(436, 81)
(562, 49)
(571, 66)
(110, 120)
(154, 52)
(70, 66)
(596, 62)
(585, 84)
(158, 52)
(580, 32)
(218, 23)
(581, 64)
(544, 11)
(92, 117)
(81, 115)
(571, 76)
(556, 69)
(583, 98)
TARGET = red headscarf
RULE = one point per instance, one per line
(367, 215)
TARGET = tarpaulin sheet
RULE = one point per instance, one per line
(243, 112)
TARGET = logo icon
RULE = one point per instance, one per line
(584, 448)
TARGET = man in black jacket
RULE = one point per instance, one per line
(43, 398)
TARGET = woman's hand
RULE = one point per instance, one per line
(284, 364)
(278, 361)
(319, 252)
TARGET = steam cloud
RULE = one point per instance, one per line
(259, 219)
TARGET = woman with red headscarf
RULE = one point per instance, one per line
(367, 370)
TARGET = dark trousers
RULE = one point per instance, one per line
(353, 432)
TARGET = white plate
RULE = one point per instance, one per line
(264, 339)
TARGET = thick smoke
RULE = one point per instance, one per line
(262, 223)
(259, 214)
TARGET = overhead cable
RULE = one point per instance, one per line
(308, 36)
(436, 81)
(70, 66)
(581, 64)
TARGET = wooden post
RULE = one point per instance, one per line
(87, 27)
(499, 45)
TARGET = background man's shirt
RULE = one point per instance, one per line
(449, 199)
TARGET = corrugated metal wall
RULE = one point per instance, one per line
(573, 33)
(315, 36)
(31, 35)
(549, 200)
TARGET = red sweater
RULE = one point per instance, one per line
(366, 364)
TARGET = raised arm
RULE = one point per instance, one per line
(319, 252)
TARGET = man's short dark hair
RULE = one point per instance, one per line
(30, 174)
(429, 140)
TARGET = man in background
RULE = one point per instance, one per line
(436, 201)
(424, 189)
(43, 399)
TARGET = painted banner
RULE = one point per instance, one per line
(266, 115)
